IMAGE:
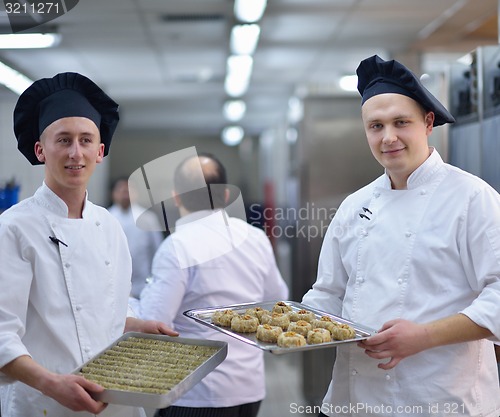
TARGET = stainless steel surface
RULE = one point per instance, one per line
(204, 316)
(141, 399)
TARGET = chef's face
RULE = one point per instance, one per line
(70, 148)
(397, 129)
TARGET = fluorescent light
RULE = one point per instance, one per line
(295, 110)
(240, 64)
(232, 135)
(13, 80)
(239, 71)
(244, 39)
(234, 110)
(29, 40)
(249, 10)
(236, 86)
(349, 83)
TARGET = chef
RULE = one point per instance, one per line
(415, 255)
(66, 268)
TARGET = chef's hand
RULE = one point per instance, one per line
(396, 340)
(73, 392)
(148, 326)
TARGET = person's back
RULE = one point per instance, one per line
(214, 260)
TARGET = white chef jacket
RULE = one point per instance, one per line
(425, 253)
(207, 262)
(60, 304)
(143, 241)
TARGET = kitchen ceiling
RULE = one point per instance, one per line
(164, 61)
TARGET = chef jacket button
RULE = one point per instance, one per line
(53, 225)
(361, 280)
(400, 281)
(377, 194)
(97, 223)
(354, 372)
(87, 349)
(387, 377)
(107, 262)
(408, 234)
(67, 265)
(423, 192)
(78, 307)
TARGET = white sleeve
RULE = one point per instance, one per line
(162, 297)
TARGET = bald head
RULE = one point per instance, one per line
(187, 177)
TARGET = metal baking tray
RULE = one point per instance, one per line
(141, 399)
(204, 316)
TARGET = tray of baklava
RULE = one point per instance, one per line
(281, 326)
(146, 370)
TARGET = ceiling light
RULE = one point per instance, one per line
(235, 86)
(234, 110)
(249, 10)
(29, 40)
(232, 135)
(295, 110)
(244, 39)
(349, 82)
(13, 80)
(239, 70)
(240, 65)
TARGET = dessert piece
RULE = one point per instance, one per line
(318, 335)
(244, 324)
(291, 339)
(223, 317)
(257, 312)
(276, 319)
(305, 315)
(301, 327)
(281, 307)
(343, 332)
(324, 322)
(268, 333)
(339, 331)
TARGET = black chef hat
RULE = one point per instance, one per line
(66, 95)
(376, 76)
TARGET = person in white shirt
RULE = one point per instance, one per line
(65, 262)
(143, 240)
(415, 255)
(212, 259)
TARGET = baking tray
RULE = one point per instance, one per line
(142, 399)
(204, 316)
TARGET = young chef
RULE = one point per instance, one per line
(65, 262)
(415, 255)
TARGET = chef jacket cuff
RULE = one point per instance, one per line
(482, 321)
(133, 307)
(9, 353)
